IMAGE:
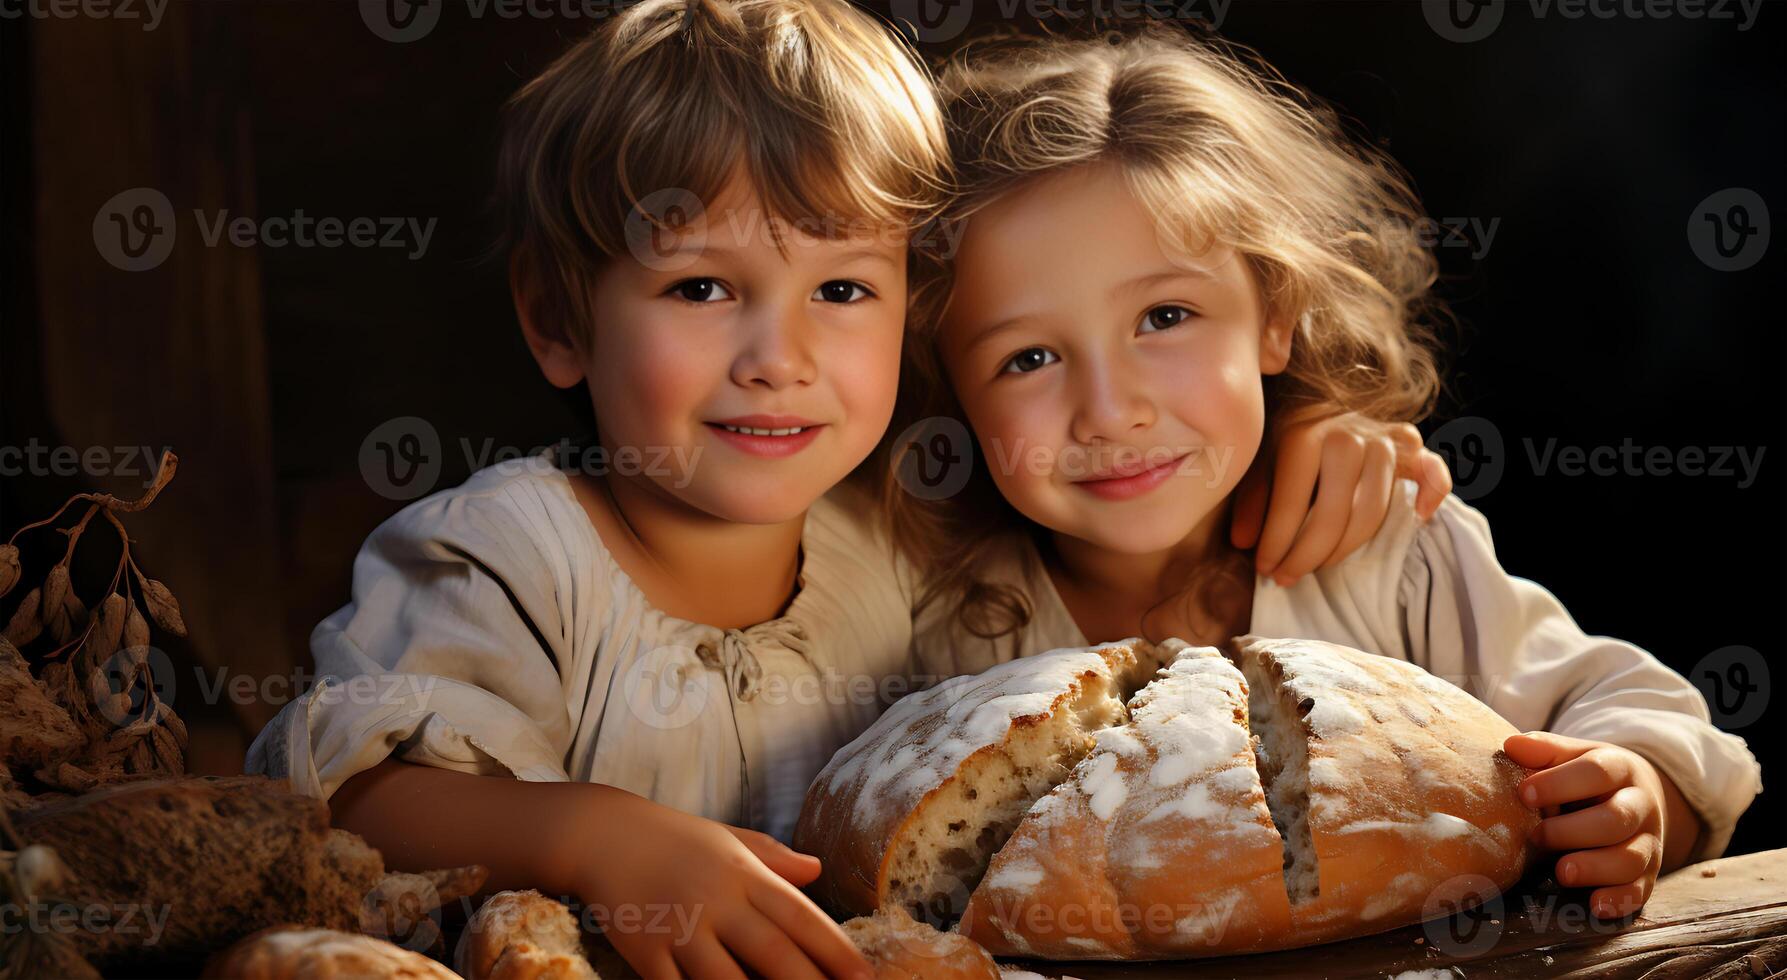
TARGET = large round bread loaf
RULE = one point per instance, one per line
(1291, 792)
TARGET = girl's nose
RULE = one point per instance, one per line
(1110, 404)
(776, 350)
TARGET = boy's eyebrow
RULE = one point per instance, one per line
(710, 247)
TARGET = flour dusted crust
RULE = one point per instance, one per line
(1411, 799)
(908, 813)
(1158, 845)
(1291, 792)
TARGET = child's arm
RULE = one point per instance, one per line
(674, 892)
(1618, 716)
(1339, 472)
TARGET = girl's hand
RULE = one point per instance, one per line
(706, 900)
(1614, 838)
(1347, 465)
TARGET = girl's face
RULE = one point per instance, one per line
(1114, 392)
(757, 378)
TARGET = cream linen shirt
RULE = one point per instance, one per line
(491, 632)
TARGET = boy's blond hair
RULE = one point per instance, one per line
(1223, 151)
(829, 112)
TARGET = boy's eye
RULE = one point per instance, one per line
(1164, 318)
(842, 291)
(700, 291)
(1025, 361)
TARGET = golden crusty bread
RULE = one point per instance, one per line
(909, 812)
(522, 935)
(1159, 844)
(1292, 792)
(902, 948)
(294, 952)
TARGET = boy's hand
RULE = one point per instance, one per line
(1615, 829)
(1348, 466)
(729, 898)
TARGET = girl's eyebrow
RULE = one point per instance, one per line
(1168, 274)
(1141, 282)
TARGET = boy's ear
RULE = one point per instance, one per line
(1275, 343)
(558, 357)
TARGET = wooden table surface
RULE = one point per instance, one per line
(1717, 920)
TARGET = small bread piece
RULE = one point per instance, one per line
(1160, 843)
(294, 952)
(909, 812)
(522, 935)
(902, 948)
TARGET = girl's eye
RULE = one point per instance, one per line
(700, 291)
(1164, 318)
(1030, 359)
(842, 291)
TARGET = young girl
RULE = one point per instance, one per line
(612, 672)
(1168, 249)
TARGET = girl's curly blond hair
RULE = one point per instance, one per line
(1224, 151)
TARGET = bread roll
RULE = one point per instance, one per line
(522, 935)
(1292, 792)
(901, 948)
(293, 952)
(908, 813)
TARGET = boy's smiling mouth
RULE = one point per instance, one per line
(769, 436)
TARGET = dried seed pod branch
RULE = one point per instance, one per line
(122, 734)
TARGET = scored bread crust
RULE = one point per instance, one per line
(886, 817)
(1411, 799)
(1160, 844)
(1289, 793)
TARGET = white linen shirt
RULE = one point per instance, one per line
(1434, 594)
(491, 632)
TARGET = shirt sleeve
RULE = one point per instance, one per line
(449, 652)
(1512, 644)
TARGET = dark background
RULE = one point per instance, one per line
(1589, 318)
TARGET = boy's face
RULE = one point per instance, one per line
(760, 378)
(1115, 393)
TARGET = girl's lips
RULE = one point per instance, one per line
(766, 446)
(1129, 487)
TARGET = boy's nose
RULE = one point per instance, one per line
(776, 351)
